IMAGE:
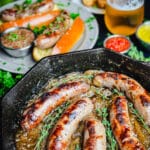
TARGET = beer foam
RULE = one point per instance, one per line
(126, 4)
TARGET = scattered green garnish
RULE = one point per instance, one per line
(111, 142)
(19, 68)
(59, 19)
(62, 5)
(39, 30)
(100, 92)
(89, 20)
(28, 2)
(13, 36)
(117, 92)
(74, 15)
(49, 122)
(4, 63)
(7, 80)
(138, 116)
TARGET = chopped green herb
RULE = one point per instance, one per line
(4, 63)
(138, 116)
(39, 30)
(74, 15)
(115, 91)
(100, 92)
(89, 20)
(28, 2)
(60, 4)
(59, 19)
(19, 68)
(13, 36)
(91, 39)
(90, 27)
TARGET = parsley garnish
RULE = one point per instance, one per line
(28, 2)
(39, 30)
(74, 15)
(13, 36)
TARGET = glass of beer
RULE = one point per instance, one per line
(123, 16)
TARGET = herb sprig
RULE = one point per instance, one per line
(49, 122)
(136, 54)
(138, 116)
(111, 142)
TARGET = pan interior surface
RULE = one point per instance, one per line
(55, 66)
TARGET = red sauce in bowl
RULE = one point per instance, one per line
(117, 43)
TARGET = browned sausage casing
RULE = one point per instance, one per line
(12, 14)
(50, 100)
(94, 134)
(68, 123)
(121, 126)
(132, 89)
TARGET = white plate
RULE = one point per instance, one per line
(90, 9)
(22, 65)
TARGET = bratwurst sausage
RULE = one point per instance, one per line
(68, 123)
(94, 134)
(54, 31)
(50, 100)
(132, 89)
(121, 126)
(14, 13)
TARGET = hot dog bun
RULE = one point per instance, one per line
(68, 40)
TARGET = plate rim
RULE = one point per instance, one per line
(99, 11)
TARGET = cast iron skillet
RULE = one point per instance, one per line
(55, 66)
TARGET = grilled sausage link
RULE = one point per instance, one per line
(48, 101)
(132, 89)
(94, 134)
(38, 7)
(68, 123)
(121, 125)
(53, 33)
